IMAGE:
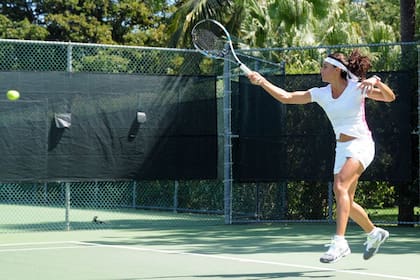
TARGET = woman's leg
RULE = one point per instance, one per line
(376, 236)
(343, 183)
(344, 188)
(358, 214)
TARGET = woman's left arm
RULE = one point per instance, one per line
(377, 90)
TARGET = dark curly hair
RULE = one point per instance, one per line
(356, 62)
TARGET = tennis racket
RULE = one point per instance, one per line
(212, 39)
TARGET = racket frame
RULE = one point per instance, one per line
(236, 60)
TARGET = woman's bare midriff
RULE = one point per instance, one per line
(345, 138)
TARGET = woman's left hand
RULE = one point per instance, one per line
(367, 85)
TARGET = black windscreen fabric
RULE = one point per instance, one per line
(23, 130)
(178, 140)
(296, 142)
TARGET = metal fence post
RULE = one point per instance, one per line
(330, 202)
(45, 192)
(69, 57)
(418, 116)
(257, 214)
(96, 195)
(227, 137)
(134, 201)
(67, 204)
(176, 186)
(283, 199)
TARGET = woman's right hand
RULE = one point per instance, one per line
(255, 78)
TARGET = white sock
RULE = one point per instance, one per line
(339, 238)
(372, 231)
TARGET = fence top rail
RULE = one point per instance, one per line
(194, 50)
(95, 45)
(335, 46)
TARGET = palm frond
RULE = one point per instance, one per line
(190, 13)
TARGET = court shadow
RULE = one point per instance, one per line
(274, 275)
(254, 239)
(254, 276)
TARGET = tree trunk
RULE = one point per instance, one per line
(406, 201)
(407, 20)
(405, 204)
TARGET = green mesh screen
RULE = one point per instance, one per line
(177, 139)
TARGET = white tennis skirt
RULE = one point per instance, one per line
(362, 149)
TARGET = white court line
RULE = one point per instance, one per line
(35, 243)
(40, 249)
(382, 276)
(70, 246)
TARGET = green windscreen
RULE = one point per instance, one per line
(116, 126)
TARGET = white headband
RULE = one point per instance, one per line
(341, 66)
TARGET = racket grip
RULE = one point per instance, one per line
(245, 69)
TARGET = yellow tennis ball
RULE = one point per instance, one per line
(13, 94)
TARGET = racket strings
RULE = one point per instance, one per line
(208, 41)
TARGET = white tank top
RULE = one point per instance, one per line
(347, 112)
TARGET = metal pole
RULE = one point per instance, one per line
(418, 116)
(283, 199)
(46, 192)
(330, 202)
(67, 205)
(134, 202)
(227, 156)
(96, 192)
(176, 186)
(69, 57)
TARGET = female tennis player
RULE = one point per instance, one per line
(343, 100)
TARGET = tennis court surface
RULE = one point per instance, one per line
(203, 252)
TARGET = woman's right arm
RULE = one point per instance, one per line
(296, 97)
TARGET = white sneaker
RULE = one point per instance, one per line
(374, 241)
(337, 251)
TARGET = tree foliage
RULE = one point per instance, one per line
(189, 12)
(127, 22)
(268, 23)
(21, 29)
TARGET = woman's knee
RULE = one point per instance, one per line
(341, 186)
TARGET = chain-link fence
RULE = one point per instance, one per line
(388, 199)
(108, 204)
(118, 204)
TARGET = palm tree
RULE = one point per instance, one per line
(276, 23)
(283, 23)
(230, 13)
(189, 12)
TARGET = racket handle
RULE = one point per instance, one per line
(245, 69)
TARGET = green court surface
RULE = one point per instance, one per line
(210, 252)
